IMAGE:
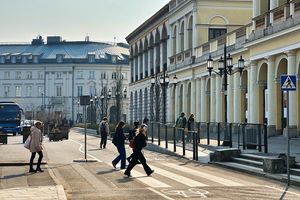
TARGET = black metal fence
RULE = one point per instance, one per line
(238, 135)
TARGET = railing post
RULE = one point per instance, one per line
(183, 142)
(265, 138)
(158, 133)
(194, 146)
(207, 133)
(152, 132)
(197, 136)
(218, 125)
(259, 137)
(174, 138)
(243, 135)
(230, 135)
(166, 135)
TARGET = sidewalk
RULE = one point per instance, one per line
(15, 180)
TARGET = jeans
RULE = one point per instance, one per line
(103, 140)
(39, 160)
(121, 156)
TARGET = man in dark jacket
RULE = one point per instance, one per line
(140, 141)
(104, 131)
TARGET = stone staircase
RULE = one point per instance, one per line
(266, 165)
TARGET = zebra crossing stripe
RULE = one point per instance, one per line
(210, 177)
(181, 179)
(148, 180)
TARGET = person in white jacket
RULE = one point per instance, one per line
(36, 146)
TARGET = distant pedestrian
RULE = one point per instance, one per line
(36, 146)
(132, 134)
(180, 125)
(145, 120)
(190, 126)
(140, 141)
(104, 131)
(119, 142)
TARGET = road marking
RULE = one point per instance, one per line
(181, 179)
(150, 181)
(210, 177)
(191, 192)
(160, 194)
(79, 149)
(281, 190)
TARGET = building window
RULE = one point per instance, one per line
(92, 90)
(24, 59)
(124, 75)
(35, 59)
(92, 75)
(40, 75)
(40, 91)
(2, 59)
(18, 75)
(18, 91)
(6, 91)
(79, 90)
(113, 92)
(91, 58)
(13, 59)
(103, 75)
(29, 75)
(59, 58)
(114, 75)
(58, 75)
(80, 75)
(216, 32)
(58, 91)
(113, 59)
(29, 91)
(6, 75)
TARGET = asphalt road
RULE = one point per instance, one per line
(174, 178)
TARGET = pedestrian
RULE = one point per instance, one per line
(140, 141)
(132, 134)
(190, 126)
(36, 146)
(145, 120)
(119, 142)
(180, 124)
(104, 131)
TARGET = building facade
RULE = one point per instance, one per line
(46, 79)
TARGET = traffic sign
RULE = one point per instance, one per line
(288, 82)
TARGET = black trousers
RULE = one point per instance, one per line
(103, 140)
(39, 160)
(138, 156)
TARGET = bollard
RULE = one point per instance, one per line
(174, 138)
(230, 135)
(183, 142)
(207, 133)
(166, 135)
(194, 146)
(197, 136)
(219, 134)
(244, 139)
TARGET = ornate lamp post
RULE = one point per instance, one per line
(225, 69)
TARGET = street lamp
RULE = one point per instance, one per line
(104, 96)
(164, 82)
(225, 68)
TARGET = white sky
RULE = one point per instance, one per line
(23, 20)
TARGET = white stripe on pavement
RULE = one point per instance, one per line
(181, 179)
(147, 180)
(160, 194)
(210, 177)
(79, 149)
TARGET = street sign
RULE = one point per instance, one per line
(288, 82)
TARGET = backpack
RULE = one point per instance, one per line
(102, 128)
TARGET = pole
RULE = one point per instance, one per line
(164, 94)
(85, 132)
(288, 142)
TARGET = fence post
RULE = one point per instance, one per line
(265, 138)
(183, 142)
(152, 132)
(243, 135)
(207, 133)
(230, 135)
(218, 133)
(194, 146)
(158, 133)
(239, 132)
(166, 135)
(197, 136)
(174, 138)
(259, 137)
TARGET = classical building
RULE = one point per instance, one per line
(46, 79)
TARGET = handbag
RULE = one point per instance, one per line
(131, 144)
(27, 142)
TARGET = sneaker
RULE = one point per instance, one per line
(113, 164)
(39, 170)
(127, 174)
(150, 173)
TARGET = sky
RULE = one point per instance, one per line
(101, 20)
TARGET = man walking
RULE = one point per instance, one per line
(104, 131)
(180, 124)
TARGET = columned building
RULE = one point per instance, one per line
(148, 56)
(46, 79)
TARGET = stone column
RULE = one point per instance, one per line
(252, 105)
(292, 9)
(198, 99)
(202, 100)
(184, 97)
(144, 66)
(212, 98)
(271, 97)
(176, 100)
(292, 96)
(218, 99)
(133, 64)
(195, 32)
(193, 97)
(139, 66)
(236, 98)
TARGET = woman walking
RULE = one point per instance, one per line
(119, 142)
(36, 146)
(191, 127)
(140, 141)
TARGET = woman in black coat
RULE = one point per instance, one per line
(140, 141)
(119, 142)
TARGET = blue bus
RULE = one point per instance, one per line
(10, 117)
